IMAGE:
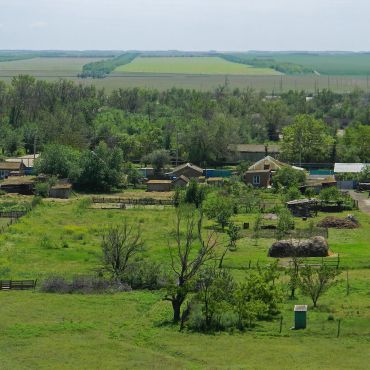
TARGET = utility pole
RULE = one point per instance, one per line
(177, 146)
(34, 147)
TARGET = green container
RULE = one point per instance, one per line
(300, 316)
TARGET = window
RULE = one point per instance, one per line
(256, 180)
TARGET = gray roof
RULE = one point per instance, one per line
(349, 167)
(187, 165)
(254, 148)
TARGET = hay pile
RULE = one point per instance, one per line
(313, 247)
(348, 222)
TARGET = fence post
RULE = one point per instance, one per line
(338, 330)
(281, 324)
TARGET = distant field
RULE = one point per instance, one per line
(52, 69)
(191, 65)
(352, 64)
(45, 66)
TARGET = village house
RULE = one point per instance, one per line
(258, 178)
(11, 169)
(260, 173)
(188, 170)
(252, 152)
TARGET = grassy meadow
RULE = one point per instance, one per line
(132, 330)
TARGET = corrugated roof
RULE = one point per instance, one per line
(349, 167)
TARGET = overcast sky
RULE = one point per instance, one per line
(185, 24)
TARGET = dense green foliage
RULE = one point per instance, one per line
(102, 68)
(199, 125)
(266, 62)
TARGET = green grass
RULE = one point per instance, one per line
(191, 65)
(131, 330)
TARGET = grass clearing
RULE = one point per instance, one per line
(191, 65)
(131, 330)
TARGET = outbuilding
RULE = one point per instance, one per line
(181, 182)
(11, 169)
(159, 185)
(61, 191)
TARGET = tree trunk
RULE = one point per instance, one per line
(176, 306)
(222, 258)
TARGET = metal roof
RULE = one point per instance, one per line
(349, 167)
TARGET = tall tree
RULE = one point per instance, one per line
(189, 253)
(306, 140)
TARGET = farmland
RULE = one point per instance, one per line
(132, 330)
(191, 65)
(45, 67)
(340, 73)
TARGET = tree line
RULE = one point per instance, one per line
(195, 126)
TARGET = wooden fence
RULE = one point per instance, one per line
(12, 214)
(17, 284)
(292, 234)
(321, 261)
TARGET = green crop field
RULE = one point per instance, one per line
(191, 65)
(339, 64)
(132, 330)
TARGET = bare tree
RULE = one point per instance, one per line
(119, 245)
(188, 253)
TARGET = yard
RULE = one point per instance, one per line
(132, 330)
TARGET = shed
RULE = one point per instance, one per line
(300, 316)
(258, 178)
(19, 185)
(159, 185)
(180, 182)
(11, 169)
(349, 167)
(188, 169)
(216, 181)
(61, 191)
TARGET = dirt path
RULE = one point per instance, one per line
(363, 200)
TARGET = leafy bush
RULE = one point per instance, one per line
(42, 189)
(81, 284)
(145, 275)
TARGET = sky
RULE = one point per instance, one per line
(197, 25)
